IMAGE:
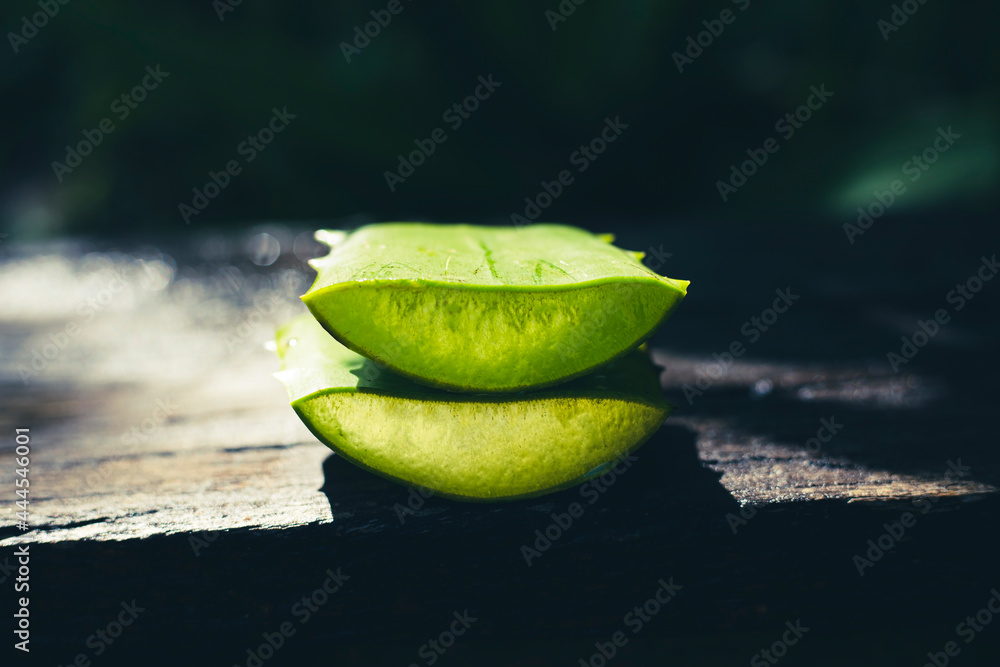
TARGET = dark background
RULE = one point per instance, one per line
(606, 59)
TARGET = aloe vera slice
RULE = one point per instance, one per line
(464, 446)
(486, 309)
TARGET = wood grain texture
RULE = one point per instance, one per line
(167, 465)
(228, 452)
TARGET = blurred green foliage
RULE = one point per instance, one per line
(606, 59)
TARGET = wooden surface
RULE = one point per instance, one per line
(159, 425)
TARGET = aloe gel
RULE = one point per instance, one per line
(464, 446)
(487, 309)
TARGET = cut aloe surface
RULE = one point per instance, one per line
(464, 446)
(486, 309)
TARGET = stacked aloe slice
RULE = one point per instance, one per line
(482, 363)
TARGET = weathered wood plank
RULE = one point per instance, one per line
(160, 415)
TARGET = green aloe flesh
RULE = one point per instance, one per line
(487, 309)
(466, 446)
